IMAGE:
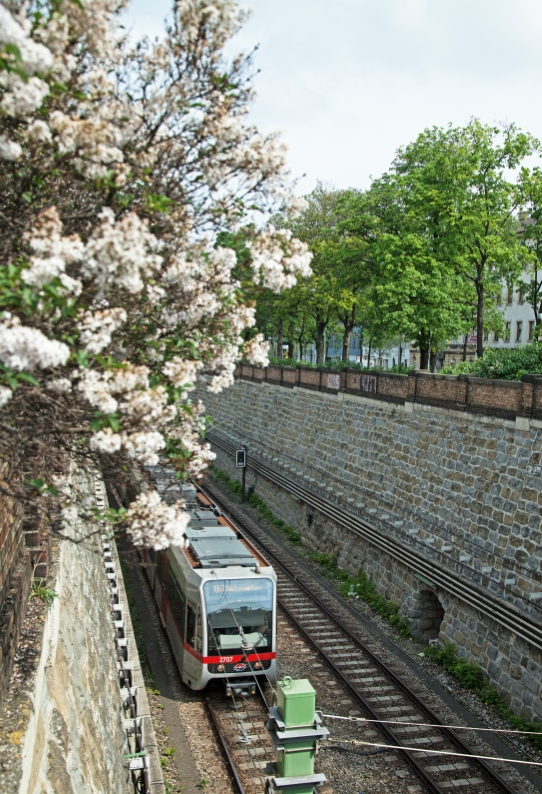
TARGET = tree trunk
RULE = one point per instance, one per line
(320, 342)
(348, 320)
(290, 350)
(424, 357)
(279, 339)
(400, 353)
(480, 320)
(347, 336)
(465, 343)
(369, 353)
(433, 360)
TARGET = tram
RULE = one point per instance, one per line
(217, 600)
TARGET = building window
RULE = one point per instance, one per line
(531, 330)
(498, 298)
(496, 336)
(509, 295)
(507, 331)
(521, 294)
(519, 329)
(486, 336)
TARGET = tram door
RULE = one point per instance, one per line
(192, 638)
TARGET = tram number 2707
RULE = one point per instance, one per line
(224, 659)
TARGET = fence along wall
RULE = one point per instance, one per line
(459, 486)
(503, 398)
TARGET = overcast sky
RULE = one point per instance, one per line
(349, 81)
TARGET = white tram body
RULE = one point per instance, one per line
(217, 601)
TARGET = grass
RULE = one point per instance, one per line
(363, 587)
(234, 486)
(471, 676)
(45, 594)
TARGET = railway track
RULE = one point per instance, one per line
(368, 678)
(243, 737)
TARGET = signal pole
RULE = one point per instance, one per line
(241, 463)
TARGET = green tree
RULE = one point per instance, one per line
(531, 236)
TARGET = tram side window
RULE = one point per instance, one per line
(177, 601)
(190, 625)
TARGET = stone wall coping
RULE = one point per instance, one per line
(469, 394)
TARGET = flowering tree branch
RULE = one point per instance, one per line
(120, 165)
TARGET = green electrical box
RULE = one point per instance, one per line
(296, 702)
(295, 730)
(297, 758)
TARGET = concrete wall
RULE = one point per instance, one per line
(463, 488)
(74, 738)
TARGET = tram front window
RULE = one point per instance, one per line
(239, 615)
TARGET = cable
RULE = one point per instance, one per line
(432, 725)
(426, 751)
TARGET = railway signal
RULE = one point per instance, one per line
(241, 463)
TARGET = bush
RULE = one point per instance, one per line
(234, 486)
(502, 363)
(337, 365)
(472, 677)
(362, 587)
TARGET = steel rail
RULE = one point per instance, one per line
(223, 744)
(508, 616)
(450, 733)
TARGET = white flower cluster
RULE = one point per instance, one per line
(52, 253)
(144, 411)
(95, 141)
(98, 327)
(182, 372)
(256, 350)
(152, 523)
(121, 253)
(5, 395)
(24, 348)
(189, 432)
(20, 96)
(280, 258)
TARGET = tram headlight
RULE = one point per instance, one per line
(258, 666)
(221, 668)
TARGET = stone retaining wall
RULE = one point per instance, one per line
(465, 488)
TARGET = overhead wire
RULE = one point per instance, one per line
(425, 751)
(431, 725)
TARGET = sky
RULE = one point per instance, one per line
(348, 82)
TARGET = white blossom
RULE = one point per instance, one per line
(182, 372)
(279, 258)
(5, 395)
(39, 132)
(144, 446)
(9, 150)
(60, 385)
(121, 253)
(24, 348)
(54, 253)
(97, 328)
(152, 523)
(256, 350)
(106, 441)
(21, 97)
